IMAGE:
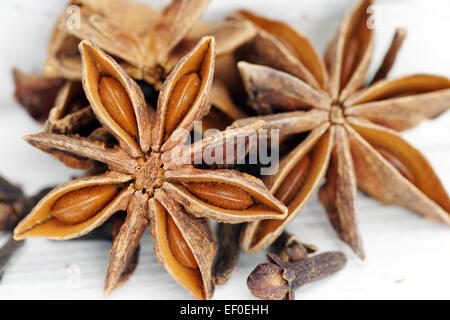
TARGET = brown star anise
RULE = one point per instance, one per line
(350, 127)
(36, 93)
(144, 177)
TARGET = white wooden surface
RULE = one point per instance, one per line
(407, 257)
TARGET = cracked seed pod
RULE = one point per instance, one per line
(192, 237)
(144, 43)
(64, 59)
(71, 113)
(126, 30)
(142, 173)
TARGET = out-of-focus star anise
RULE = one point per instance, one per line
(146, 42)
(112, 25)
(145, 179)
(36, 93)
(350, 126)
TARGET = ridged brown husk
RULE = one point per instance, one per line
(147, 42)
(36, 93)
(142, 179)
(351, 127)
(139, 38)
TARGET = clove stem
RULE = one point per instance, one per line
(7, 251)
(277, 280)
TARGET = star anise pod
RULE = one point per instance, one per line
(127, 20)
(64, 109)
(145, 177)
(350, 126)
(64, 59)
(147, 44)
(72, 113)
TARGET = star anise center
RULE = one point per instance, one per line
(149, 173)
(336, 115)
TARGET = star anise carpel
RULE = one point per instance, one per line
(145, 178)
(134, 34)
(351, 127)
(36, 93)
(146, 42)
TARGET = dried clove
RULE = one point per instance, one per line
(228, 252)
(277, 280)
(289, 248)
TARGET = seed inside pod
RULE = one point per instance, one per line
(221, 195)
(181, 99)
(178, 245)
(80, 205)
(394, 161)
(293, 181)
(287, 45)
(117, 103)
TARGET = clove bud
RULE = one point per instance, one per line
(276, 280)
(7, 251)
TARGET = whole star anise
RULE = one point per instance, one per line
(144, 177)
(111, 24)
(350, 126)
(146, 42)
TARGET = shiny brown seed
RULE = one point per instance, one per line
(178, 245)
(293, 181)
(117, 103)
(80, 205)
(181, 99)
(221, 195)
(396, 163)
